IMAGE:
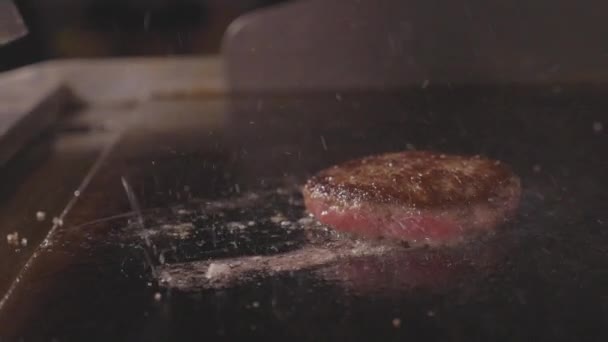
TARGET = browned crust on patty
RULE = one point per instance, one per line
(418, 179)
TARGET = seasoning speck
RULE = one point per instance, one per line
(57, 221)
(235, 225)
(305, 221)
(13, 239)
(277, 218)
(158, 296)
(40, 215)
(215, 270)
(23, 242)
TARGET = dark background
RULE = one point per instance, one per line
(102, 28)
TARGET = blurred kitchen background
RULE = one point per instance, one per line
(468, 40)
(103, 28)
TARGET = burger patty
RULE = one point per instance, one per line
(416, 196)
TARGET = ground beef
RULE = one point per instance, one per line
(415, 196)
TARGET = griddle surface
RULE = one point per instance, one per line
(201, 171)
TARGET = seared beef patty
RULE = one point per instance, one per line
(418, 197)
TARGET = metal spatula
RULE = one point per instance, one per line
(12, 26)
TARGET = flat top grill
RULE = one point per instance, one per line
(191, 224)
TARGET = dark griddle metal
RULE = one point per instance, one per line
(92, 282)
